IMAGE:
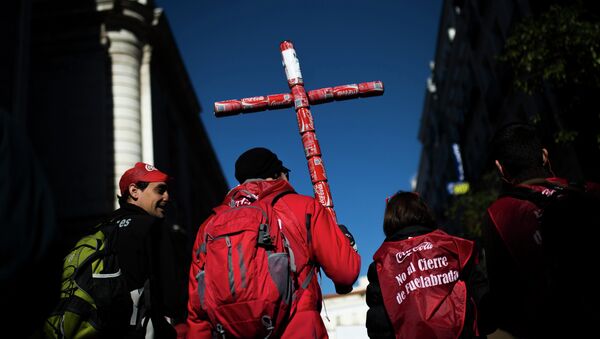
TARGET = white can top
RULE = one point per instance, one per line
(291, 64)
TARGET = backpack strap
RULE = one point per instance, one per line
(538, 198)
(308, 234)
(109, 235)
(311, 264)
(279, 196)
(264, 234)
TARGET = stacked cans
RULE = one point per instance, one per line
(279, 100)
(311, 144)
(253, 104)
(291, 64)
(323, 194)
(298, 98)
(302, 101)
(305, 120)
(321, 95)
(372, 88)
(345, 92)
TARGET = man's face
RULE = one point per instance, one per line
(153, 199)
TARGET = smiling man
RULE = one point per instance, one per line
(113, 278)
(145, 187)
(143, 200)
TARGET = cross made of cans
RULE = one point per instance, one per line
(301, 100)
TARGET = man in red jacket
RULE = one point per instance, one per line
(517, 255)
(313, 235)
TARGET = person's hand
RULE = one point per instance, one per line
(349, 236)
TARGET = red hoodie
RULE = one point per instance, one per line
(314, 237)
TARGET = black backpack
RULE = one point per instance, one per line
(94, 300)
(569, 225)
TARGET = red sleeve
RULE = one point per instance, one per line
(331, 248)
(592, 187)
(198, 325)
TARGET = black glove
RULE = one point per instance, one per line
(348, 235)
(343, 289)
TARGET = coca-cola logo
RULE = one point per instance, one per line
(347, 92)
(254, 99)
(402, 255)
(279, 100)
(321, 193)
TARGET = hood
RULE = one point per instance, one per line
(258, 189)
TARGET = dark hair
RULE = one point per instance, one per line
(518, 148)
(123, 199)
(406, 209)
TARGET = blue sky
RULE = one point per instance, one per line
(369, 145)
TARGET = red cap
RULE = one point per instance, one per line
(141, 172)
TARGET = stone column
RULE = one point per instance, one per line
(146, 107)
(126, 56)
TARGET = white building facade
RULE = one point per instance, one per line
(345, 315)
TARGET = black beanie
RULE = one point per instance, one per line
(258, 163)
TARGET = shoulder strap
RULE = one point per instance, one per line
(523, 193)
(279, 196)
(538, 198)
(101, 226)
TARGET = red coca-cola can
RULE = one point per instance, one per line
(305, 120)
(254, 103)
(372, 88)
(279, 100)
(316, 169)
(323, 193)
(300, 98)
(228, 107)
(291, 64)
(320, 95)
(311, 144)
(345, 91)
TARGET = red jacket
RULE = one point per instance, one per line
(514, 259)
(314, 237)
(508, 211)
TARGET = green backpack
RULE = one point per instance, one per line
(94, 300)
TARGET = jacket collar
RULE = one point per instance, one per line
(128, 208)
(409, 231)
(258, 188)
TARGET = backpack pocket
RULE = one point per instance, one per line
(113, 300)
(248, 319)
(75, 318)
(201, 288)
(279, 270)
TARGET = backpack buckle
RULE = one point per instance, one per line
(220, 331)
(264, 237)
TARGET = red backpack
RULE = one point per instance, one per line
(420, 285)
(245, 283)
